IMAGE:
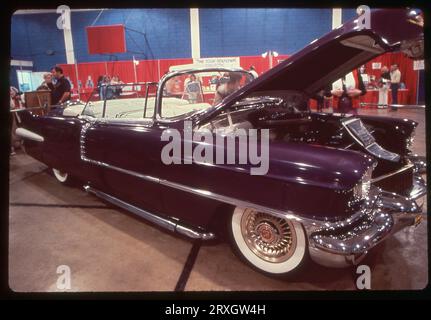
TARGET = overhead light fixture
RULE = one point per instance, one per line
(274, 53)
(265, 54)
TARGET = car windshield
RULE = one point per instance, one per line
(122, 101)
(193, 91)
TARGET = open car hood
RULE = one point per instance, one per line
(340, 51)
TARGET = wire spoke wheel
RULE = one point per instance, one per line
(270, 238)
(273, 245)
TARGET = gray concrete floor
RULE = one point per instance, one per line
(110, 250)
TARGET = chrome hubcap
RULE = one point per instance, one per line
(270, 238)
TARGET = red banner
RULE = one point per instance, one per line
(106, 39)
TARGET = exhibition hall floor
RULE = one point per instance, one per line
(108, 249)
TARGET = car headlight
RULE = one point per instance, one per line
(362, 189)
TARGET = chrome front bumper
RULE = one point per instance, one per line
(344, 243)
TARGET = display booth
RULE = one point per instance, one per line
(84, 76)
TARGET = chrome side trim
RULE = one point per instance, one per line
(170, 224)
(27, 134)
(390, 174)
(403, 106)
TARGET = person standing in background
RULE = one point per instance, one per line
(383, 84)
(47, 78)
(109, 90)
(231, 83)
(60, 91)
(117, 88)
(395, 84)
(192, 89)
(100, 87)
(253, 71)
(364, 75)
(89, 83)
(346, 89)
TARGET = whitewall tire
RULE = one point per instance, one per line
(272, 245)
(61, 176)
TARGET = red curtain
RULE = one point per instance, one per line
(122, 69)
(147, 70)
(261, 64)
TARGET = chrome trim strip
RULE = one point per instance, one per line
(27, 134)
(403, 106)
(171, 225)
(390, 174)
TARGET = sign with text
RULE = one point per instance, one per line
(376, 65)
(224, 62)
(418, 65)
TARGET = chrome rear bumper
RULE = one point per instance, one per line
(344, 243)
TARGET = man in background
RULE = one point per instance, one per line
(395, 84)
(60, 91)
(233, 83)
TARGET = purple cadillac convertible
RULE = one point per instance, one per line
(336, 184)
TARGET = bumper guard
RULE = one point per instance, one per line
(346, 242)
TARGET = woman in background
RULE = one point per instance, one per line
(47, 78)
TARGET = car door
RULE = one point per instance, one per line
(126, 150)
